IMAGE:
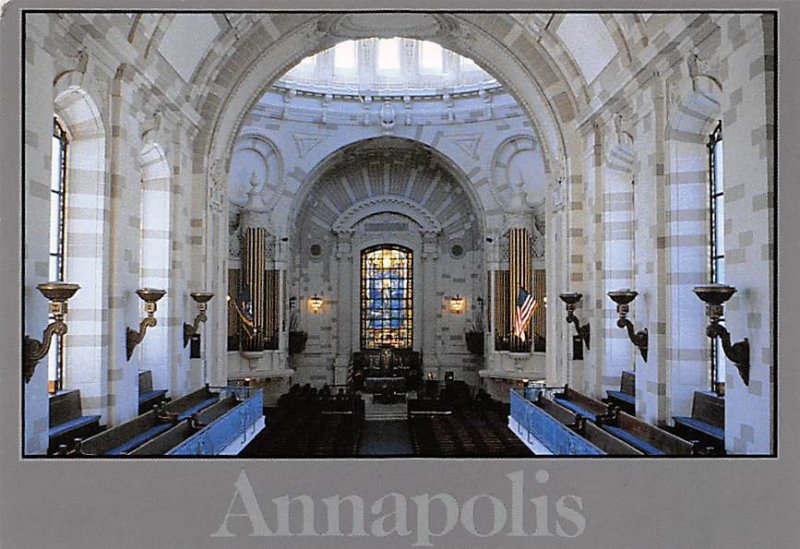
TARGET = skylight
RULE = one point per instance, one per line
(392, 65)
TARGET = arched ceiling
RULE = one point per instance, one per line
(564, 56)
(387, 170)
(590, 40)
(572, 49)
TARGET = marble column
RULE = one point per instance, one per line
(344, 310)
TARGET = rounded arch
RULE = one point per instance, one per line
(462, 36)
(386, 204)
(689, 126)
(383, 149)
(87, 241)
(695, 113)
(155, 255)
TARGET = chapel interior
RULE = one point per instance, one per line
(417, 234)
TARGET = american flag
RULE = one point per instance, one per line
(244, 309)
(526, 306)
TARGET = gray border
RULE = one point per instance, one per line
(627, 503)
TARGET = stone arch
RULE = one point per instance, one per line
(433, 160)
(466, 38)
(387, 204)
(87, 244)
(528, 72)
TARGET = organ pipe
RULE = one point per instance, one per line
(520, 271)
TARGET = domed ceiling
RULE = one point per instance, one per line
(387, 65)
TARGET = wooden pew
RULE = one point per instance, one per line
(625, 398)
(647, 438)
(608, 443)
(67, 421)
(581, 404)
(148, 397)
(164, 442)
(707, 422)
(126, 437)
(183, 407)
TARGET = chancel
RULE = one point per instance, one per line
(425, 234)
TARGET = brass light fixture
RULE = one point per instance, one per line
(622, 298)
(571, 299)
(456, 304)
(150, 296)
(33, 351)
(202, 299)
(714, 295)
(315, 303)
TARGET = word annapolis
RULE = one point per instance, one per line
(424, 516)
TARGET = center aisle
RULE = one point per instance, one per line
(386, 438)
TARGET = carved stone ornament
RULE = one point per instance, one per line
(216, 188)
(387, 116)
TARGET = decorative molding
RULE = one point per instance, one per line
(217, 184)
(74, 63)
(511, 164)
(468, 143)
(306, 142)
(347, 221)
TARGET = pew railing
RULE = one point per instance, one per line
(538, 424)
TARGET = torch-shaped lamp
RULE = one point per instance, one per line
(714, 296)
(33, 350)
(150, 296)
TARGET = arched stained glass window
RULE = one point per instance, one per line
(386, 297)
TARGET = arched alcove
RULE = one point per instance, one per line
(155, 257)
(87, 248)
(695, 115)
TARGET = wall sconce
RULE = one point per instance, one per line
(150, 296)
(202, 299)
(622, 298)
(315, 303)
(456, 304)
(714, 295)
(571, 298)
(57, 293)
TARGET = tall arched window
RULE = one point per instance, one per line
(386, 297)
(717, 239)
(58, 200)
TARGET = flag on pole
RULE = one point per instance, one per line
(526, 306)
(244, 310)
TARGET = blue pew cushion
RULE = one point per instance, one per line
(701, 426)
(140, 439)
(77, 423)
(634, 441)
(576, 408)
(624, 397)
(152, 395)
(197, 407)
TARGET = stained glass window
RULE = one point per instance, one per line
(386, 297)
